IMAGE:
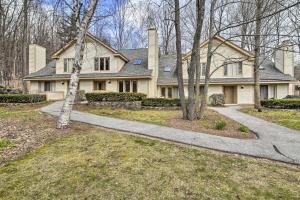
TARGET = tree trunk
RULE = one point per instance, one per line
(200, 8)
(179, 60)
(64, 118)
(258, 13)
(209, 57)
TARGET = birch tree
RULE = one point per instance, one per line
(82, 26)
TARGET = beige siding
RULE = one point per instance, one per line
(282, 90)
(245, 94)
(34, 87)
(143, 86)
(112, 86)
(92, 50)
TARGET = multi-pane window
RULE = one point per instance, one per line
(233, 69)
(102, 63)
(47, 86)
(128, 86)
(68, 64)
(100, 85)
(169, 92)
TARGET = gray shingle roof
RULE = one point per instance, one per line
(128, 70)
(268, 71)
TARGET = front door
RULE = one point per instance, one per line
(229, 94)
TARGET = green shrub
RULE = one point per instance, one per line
(160, 102)
(281, 103)
(114, 96)
(22, 98)
(4, 143)
(220, 125)
(244, 129)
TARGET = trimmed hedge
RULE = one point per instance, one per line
(281, 103)
(160, 102)
(114, 96)
(22, 98)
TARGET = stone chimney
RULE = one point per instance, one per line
(284, 58)
(153, 52)
(37, 58)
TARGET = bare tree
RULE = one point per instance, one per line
(179, 60)
(209, 58)
(82, 25)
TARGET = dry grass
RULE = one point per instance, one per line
(287, 118)
(101, 164)
(172, 118)
(86, 162)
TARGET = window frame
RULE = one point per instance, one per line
(102, 63)
(67, 67)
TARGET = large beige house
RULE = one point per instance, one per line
(145, 70)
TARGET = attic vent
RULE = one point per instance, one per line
(167, 69)
(137, 61)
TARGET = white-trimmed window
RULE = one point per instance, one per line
(128, 86)
(68, 64)
(169, 92)
(233, 69)
(102, 63)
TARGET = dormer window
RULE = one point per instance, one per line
(68, 64)
(102, 63)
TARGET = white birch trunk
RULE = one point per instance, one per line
(64, 118)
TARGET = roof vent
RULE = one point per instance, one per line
(167, 69)
(137, 61)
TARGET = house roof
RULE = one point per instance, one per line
(128, 70)
(94, 38)
(268, 73)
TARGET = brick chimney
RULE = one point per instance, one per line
(284, 57)
(153, 56)
(37, 58)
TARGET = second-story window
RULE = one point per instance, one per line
(233, 69)
(68, 64)
(102, 63)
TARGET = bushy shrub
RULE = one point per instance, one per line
(220, 125)
(217, 100)
(114, 96)
(160, 102)
(22, 98)
(281, 103)
(244, 129)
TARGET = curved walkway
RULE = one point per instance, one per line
(275, 142)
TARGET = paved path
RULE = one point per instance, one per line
(286, 141)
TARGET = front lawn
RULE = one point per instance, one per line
(172, 118)
(287, 118)
(101, 164)
(86, 162)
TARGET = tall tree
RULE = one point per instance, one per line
(258, 15)
(82, 26)
(179, 60)
(209, 57)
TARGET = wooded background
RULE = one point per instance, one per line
(124, 24)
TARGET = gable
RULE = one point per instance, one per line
(89, 38)
(224, 44)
